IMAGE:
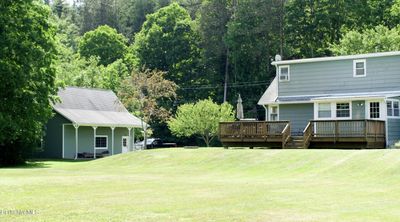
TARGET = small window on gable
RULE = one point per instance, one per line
(284, 73)
(359, 68)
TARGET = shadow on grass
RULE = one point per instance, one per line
(40, 163)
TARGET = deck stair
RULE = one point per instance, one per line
(295, 142)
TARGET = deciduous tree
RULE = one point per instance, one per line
(145, 93)
(105, 43)
(378, 39)
(27, 53)
(201, 119)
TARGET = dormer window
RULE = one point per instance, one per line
(359, 68)
(284, 73)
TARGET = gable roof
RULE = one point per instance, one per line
(335, 58)
(94, 107)
(271, 94)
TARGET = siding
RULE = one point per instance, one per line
(383, 74)
(298, 114)
(53, 137)
(393, 131)
(86, 139)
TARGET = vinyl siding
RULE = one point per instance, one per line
(53, 137)
(383, 74)
(86, 139)
(393, 131)
(298, 114)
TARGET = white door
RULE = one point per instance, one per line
(125, 144)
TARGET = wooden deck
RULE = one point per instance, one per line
(254, 133)
(317, 134)
(345, 134)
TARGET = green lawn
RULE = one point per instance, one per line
(209, 185)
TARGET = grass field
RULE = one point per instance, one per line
(209, 185)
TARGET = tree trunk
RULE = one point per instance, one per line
(226, 74)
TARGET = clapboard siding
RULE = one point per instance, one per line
(393, 131)
(383, 74)
(298, 114)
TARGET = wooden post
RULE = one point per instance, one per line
(365, 129)
(336, 130)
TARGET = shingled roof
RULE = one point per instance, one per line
(94, 107)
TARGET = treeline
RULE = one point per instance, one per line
(207, 48)
(212, 48)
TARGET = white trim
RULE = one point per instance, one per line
(335, 58)
(382, 109)
(101, 148)
(288, 74)
(129, 139)
(364, 61)
(350, 110)
(133, 139)
(270, 112)
(392, 101)
(112, 140)
(122, 144)
(333, 110)
(63, 141)
(76, 126)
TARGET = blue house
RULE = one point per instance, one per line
(344, 101)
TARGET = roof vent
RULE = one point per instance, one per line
(278, 58)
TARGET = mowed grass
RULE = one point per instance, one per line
(209, 185)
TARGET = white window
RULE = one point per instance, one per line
(393, 108)
(342, 110)
(359, 68)
(101, 142)
(284, 73)
(374, 111)
(324, 110)
(273, 113)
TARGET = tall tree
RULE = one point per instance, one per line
(253, 40)
(99, 12)
(132, 15)
(105, 43)
(378, 39)
(27, 53)
(312, 25)
(215, 15)
(168, 42)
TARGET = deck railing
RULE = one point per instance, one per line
(253, 130)
(344, 129)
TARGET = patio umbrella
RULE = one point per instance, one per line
(239, 109)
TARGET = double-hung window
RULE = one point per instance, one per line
(324, 110)
(342, 110)
(360, 68)
(284, 73)
(273, 115)
(393, 108)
